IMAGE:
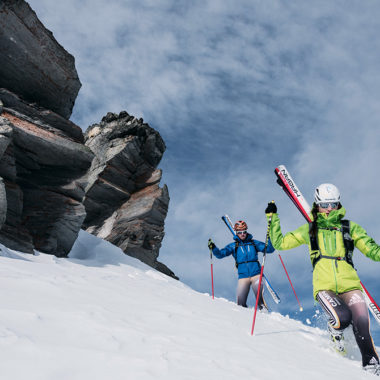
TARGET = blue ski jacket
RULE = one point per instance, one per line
(245, 254)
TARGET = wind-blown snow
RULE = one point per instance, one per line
(103, 315)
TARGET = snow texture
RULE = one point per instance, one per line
(103, 315)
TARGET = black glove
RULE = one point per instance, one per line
(211, 244)
(271, 208)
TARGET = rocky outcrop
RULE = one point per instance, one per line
(43, 159)
(53, 182)
(44, 166)
(124, 202)
(33, 64)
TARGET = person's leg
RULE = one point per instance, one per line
(337, 311)
(242, 291)
(255, 286)
(360, 324)
(339, 317)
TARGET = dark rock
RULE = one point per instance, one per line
(3, 203)
(13, 233)
(32, 63)
(109, 117)
(124, 202)
(17, 238)
(53, 220)
(138, 228)
(44, 158)
(15, 203)
(45, 184)
(122, 159)
(123, 114)
(8, 165)
(5, 135)
(51, 184)
(45, 119)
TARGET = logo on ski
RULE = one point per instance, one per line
(291, 183)
(375, 310)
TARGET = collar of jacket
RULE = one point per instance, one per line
(331, 220)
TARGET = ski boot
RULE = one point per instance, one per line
(373, 367)
(337, 339)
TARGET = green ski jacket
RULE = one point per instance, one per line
(329, 274)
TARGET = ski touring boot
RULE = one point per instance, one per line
(337, 339)
(373, 367)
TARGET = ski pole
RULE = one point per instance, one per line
(299, 303)
(261, 272)
(212, 274)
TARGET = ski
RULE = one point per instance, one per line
(272, 292)
(288, 185)
(226, 219)
(372, 305)
(292, 191)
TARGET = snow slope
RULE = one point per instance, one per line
(103, 315)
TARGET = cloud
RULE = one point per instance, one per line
(236, 88)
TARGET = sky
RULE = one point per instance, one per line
(97, 316)
(235, 89)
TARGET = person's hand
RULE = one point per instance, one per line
(211, 244)
(271, 208)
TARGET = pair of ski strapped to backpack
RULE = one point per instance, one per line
(290, 188)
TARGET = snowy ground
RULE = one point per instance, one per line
(103, 315)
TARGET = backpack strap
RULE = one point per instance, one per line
(314, 246)
(313, 239)
(347, 241)
(236, 248)
(243, 262)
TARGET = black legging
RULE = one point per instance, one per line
(350, 308)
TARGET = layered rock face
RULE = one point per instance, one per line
(33, 64)
(124, 202)
(53, 182)
(43, 158)
(43, 164)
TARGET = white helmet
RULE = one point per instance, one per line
(326, 192)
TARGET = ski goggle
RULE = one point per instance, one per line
(241, 232)
(327, 204)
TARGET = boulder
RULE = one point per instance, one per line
(127, 151)
(124, 203)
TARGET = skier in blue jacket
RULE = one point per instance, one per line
(244, 250)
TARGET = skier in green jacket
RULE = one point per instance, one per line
(336, 285)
